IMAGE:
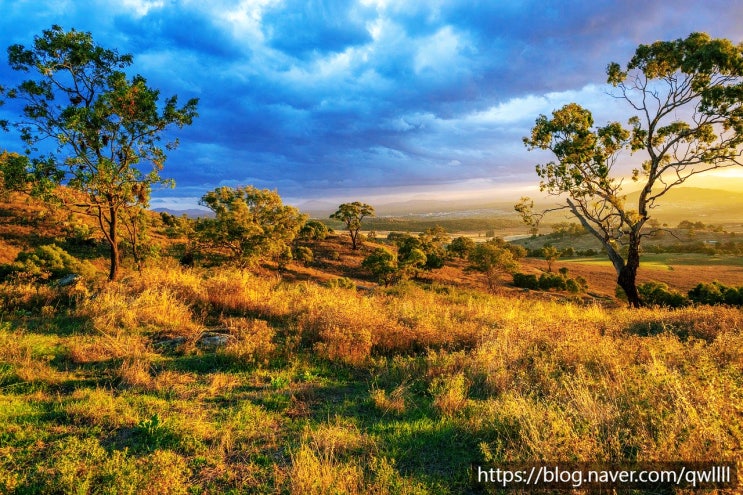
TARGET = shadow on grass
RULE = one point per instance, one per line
(437, 451)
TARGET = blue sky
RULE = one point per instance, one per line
(372, 100)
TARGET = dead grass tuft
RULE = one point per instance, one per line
(253, 342)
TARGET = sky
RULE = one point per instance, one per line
(369, 100)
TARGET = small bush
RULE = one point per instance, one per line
(304, 255)
(394, 402)
(658, 294)
(47, 262)
(549, 281)
(449, 394)
(716, 293)
(253, 342)
(340, 283)
(525, 281)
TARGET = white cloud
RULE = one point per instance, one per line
(142, 7)
(439, 52)
(525, 109)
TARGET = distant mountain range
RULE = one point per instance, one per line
(681, 203)
(710, 206)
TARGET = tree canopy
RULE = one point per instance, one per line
(687, 98)
(492, 258)
(91, 127)
(249, 223)
(352, 214)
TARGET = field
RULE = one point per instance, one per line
(325, 390)
(215, 379)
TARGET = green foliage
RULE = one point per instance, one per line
(461, 247)
(340, 282)
(567, 229)
(14, 173)
(491, 259)
(716, 293)
(433, 243)
(106, 127)
(526, 281)
(304, 255)
(550, 254)
(49, 262)
(352, 214)
(382, 263)
(249, 223)
(658, 294)
(137, 241)
(313, 230)
(77, 232)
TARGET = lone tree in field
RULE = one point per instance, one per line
(351, 214)
(686, 95)
(105, 129)
(492, 258)
(550, 254)
(249, 223)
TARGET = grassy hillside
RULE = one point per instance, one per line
(338, 391)
(223, 380)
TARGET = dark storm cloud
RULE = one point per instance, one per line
(314, 97)
(302, 28)
(183, 30)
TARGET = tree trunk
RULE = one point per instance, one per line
(113, 240)
(627, 278)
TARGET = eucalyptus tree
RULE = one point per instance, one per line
(352, 214)
(100, 130)
(686, 96)
(249, 223)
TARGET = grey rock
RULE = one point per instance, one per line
(170, 344)
(68, 279)
(213, 341)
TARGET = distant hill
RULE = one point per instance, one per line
(420, 207)
(192, 213)
(710, 206)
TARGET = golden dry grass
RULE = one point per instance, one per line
(404, 372)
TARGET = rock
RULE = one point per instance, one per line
(68, 280)
(170, 344)
(212, 341)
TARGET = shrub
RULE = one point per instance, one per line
(461, 247)
(253, 341)
(382, 264)
(394, 402)
(525, 281)
(716, 293)
(549, 281)
(449, 394)
(49, 261)
(313, 230)
(658, 294)
(304, 255)
(341, 282)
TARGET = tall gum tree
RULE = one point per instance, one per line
(105, 128)
(686, 96)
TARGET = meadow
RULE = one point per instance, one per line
(339, 390)
(318, 380)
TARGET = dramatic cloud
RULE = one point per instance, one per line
(340, 99)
